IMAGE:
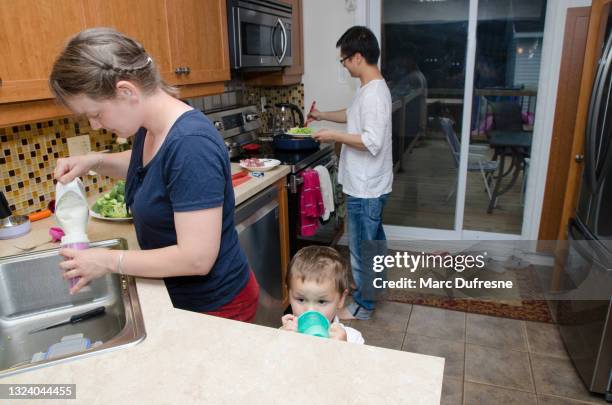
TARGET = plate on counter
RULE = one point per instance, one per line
(98, 216)
(266, 164)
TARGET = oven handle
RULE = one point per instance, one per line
(295, 179)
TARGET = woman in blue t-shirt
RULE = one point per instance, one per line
(178, 178)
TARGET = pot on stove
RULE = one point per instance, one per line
(283, 117)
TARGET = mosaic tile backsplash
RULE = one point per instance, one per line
(28, 152)
(28, 156)
(273, 95)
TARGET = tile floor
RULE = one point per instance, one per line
(489, 360)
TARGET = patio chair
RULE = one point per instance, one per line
(507, 117)
(477, 162)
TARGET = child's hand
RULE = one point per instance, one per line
(337, 332)
(289, 322)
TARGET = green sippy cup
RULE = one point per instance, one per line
(313, 323)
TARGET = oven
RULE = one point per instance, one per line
(259, 34)
(329, 232)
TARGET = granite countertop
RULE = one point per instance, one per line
(193, 358)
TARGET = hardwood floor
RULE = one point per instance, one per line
(420, 194)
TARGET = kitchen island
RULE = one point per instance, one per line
(193, 358)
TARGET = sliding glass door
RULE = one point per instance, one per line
(464, 77)
(423, 59)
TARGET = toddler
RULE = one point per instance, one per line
(318, 280)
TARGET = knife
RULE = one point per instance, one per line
(74, 319)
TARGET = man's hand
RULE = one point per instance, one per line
(289, 322)
(337, 332)
(325, 135)
(315, 115)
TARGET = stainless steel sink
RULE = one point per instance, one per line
(33, 294)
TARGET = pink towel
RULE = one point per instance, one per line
(311, 203)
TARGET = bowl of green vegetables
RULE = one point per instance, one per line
(111, 206)
(301, 132)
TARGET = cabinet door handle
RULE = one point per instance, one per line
(579, 158)
(187, 70)
(180, 70)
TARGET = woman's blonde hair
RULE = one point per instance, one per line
(94, 60)
(319, 263)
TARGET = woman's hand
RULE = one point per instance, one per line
(67, 169)
(337, 332)
(289, 322)
(88, 264)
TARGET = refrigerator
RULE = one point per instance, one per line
(586, 324)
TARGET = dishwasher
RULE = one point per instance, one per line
(259, 235)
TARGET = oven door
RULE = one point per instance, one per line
(329, 232)
(262, 40)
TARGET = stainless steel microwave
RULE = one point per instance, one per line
(259, 34)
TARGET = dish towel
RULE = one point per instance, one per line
(326, 191)
(311, 203)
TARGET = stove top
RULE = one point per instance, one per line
(298, 160)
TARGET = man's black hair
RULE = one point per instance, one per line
(362, 40)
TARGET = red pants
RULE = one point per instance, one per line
(244, 305)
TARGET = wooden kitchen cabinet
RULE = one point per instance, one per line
(198, 41)
(293, 74)
(32, 33)
(149, 25)
(187, 39)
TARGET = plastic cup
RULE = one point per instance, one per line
(313, 323)
(77, 246)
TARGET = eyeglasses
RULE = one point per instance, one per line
(342, 60)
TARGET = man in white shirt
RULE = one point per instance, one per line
(366, 165)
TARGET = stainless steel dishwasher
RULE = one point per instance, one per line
(259, 234)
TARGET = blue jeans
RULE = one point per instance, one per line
(365, 224)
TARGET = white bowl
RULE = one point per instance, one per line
(269, 164)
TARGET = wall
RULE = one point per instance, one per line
(325, 80)
(29, 152)
(28, 156)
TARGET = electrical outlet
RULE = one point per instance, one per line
(78, 145)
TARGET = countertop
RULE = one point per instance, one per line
(246, 190)
(193, 358)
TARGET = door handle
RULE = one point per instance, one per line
(182, 70)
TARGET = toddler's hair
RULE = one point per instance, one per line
(319, 263)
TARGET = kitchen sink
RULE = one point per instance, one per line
(33, 294)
